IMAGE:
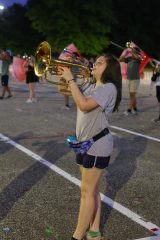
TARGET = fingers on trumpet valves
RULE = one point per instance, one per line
(62, 80)
(59, 70)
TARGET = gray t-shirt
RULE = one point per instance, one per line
(91, 123)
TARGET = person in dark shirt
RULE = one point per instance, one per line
(31, 79)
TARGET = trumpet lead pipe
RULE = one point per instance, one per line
(117, 45)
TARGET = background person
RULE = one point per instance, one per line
(63, 89)
(31, 79)
(155, 73)
(155, 81)
(133, 78)
(6, 59)
(94, 110)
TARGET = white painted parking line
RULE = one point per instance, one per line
(149, 238)
(125, 211)
(136, 133)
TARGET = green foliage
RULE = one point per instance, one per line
(16, 32)
(85, 23)
(138, 22)
(90, 25)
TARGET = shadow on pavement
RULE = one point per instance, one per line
(121, 169)
(27, 179)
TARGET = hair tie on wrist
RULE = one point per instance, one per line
(70, 81)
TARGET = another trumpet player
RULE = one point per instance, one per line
(133, 61)
(31, 79)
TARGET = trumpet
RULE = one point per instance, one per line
(44, 63)
(136, 50)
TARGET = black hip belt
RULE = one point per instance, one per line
(104, 132)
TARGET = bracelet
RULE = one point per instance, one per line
(70, 81)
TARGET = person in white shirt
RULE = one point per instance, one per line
(155, 81)
(157, 84)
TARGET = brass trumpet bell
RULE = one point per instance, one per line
(44, 63)
(42, 58)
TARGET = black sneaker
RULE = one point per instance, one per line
(1, 97)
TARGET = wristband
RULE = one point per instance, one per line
(70, 81)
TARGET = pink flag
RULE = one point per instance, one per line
(19, 69)
(127, 53)
(68, 52)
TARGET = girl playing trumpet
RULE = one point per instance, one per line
(94, 110)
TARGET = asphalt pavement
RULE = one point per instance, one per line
(39, 180)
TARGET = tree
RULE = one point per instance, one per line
(85, 23)
(137, 23)
(16, 31)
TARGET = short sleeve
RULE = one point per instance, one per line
(105, 95)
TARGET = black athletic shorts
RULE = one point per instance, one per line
(89, 161)
(4, 80)
(158, 93)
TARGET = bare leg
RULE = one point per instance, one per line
(90, 182)
(95, 223)
(3, 91)
(133, 100)
(29, 88)
(66, 100)
(9, 91)
(32, 90)
(94, 226)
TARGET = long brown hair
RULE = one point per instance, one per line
(112, 74)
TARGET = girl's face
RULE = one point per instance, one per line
(98, 67)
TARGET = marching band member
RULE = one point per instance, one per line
(31, 79)
(133, 77)
(94, 110)
(155, 81)
(6, 58)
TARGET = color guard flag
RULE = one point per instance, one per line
(127, 52)
(69, 51)
(68, 55)
(19, 70)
